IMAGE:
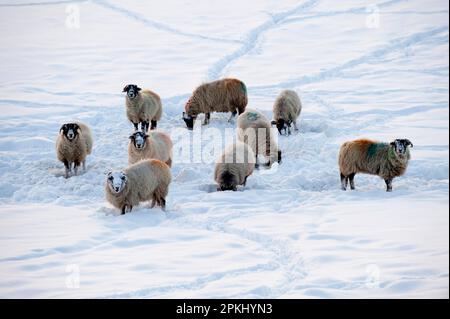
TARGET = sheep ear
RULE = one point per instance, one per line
(125, 89)
(109, 173)
(138, 88)
(62, 127)
(408, 142)
(392, 143)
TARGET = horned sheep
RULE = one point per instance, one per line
(154, 144)
(226, 95)
(147, 180)
(286, 110)
(142, 106)
(366, 156)
(254, 129)
(73, 144)
(234, 166)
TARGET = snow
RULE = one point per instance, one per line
(376, 69)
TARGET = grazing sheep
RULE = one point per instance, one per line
(255, 130)
(142, 106)
(286, 110)
(227, 95)
(73, 144)
(370, 157)
(234, 166)
(154, 144)
(144, 181)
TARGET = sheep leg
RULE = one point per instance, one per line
(153, 203)
(154, 124)
(352, 181)
(257, 162)
(207, 118)
(75, 168)
(245, 181)
(162, 203)
(124, 209)
(84, 165)
(67, 169)
(388, 184)
(343, 182)
(144, 126)
(136, 126)
(295, 126)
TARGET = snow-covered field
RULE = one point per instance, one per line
(377, 69)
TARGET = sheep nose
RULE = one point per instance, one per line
(117, 189)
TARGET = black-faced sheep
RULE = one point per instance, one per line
(142, 106)
(144, 181)
(157, 145)
(371, 157)
(73, 144)
(234, 166)
(286, 110)
(226, 95)
(254, 129)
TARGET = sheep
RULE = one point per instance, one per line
(226, 95)
(234, 166)
(286, 110)
(371, 157)
(73, 144)
(155, 145)
(144, 181)
(255, 130)
(142, 106)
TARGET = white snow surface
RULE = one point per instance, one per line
(291, 232)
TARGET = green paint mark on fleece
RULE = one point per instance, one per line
(252, 116)
(374, 148)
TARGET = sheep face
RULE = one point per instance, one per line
(138, 139)
(227, 182)
(401, 146)
(132, 90)
(282, 125)
(189, 120)
(117, 181)
(70, 131)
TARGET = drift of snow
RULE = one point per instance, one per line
(376, 69)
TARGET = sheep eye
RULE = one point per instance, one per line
(123, 178)
(110, 178)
